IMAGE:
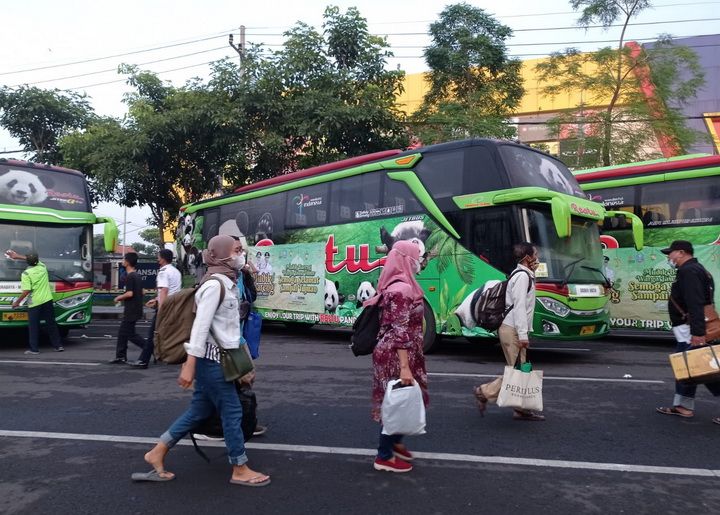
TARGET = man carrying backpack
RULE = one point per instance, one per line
(168, 282)
(516, 325)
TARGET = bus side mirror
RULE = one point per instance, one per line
(110, 233)
(561, 216)
(635, 224)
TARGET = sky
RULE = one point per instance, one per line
(178, 39)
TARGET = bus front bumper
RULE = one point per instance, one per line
(573, 327)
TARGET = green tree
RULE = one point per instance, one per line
(324, 96)
(171, 148)
(38, 118)
(474, 84)
(628, 121)
(152, 236)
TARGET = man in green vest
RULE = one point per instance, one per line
(35, 282)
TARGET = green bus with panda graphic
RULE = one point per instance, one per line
(318, 237)
(46, 209)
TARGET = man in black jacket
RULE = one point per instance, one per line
(692, 290)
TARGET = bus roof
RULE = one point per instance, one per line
(317, 170)
(41, 166)
(678, 163)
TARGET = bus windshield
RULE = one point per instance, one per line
(65, 250)
(569, 260)
(40, 187)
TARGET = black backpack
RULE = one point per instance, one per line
(488, 306)
(366, 329)
(212, 426)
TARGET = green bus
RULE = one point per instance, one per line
(318, 237)
(46, 209)
(677, 199)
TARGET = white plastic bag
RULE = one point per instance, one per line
(403, 410)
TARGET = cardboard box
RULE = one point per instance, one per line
(704, 366)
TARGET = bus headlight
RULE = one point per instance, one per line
(74, 301)
(554, 306)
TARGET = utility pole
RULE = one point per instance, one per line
(240, 49)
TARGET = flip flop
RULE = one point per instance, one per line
(250, 482)
(153, 475)
(673, 411)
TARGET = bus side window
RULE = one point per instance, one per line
(355, 198)
(307, 207)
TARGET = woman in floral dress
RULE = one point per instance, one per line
(398, 353)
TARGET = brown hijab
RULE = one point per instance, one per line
(217, 257)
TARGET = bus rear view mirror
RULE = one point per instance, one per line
(561, 216)
(632, 221)
(110, 233)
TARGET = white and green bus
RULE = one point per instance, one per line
(318, 237)
(677, 198)
(46, 209)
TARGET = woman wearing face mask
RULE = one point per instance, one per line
(513, 333)
(216, 324)
(398, 353)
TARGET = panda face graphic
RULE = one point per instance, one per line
(332, 299)
(264, 228)
(23, 188)
(365, 291)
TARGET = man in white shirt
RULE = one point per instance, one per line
(513, 332)
(168, 281)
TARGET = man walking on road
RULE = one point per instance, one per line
(133, 310)
(168, 281)
(513, 333)
(35, 282)
(692, 290)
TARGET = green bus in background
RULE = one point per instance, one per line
(319, 237)
(677, 199)
(46, 209)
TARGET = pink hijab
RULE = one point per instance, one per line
(399, 267)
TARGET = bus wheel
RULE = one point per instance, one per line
(298, 327)
(431, 340)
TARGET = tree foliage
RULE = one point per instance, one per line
(474, 84)
(38, 118)
(632, 96)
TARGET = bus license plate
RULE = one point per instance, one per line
(587, 329)
(15, 317)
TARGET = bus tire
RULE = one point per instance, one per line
(431, 340)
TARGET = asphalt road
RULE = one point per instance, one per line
(73, 429)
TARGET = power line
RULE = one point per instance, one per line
(157, 73)
(115, 69)
(94, 59)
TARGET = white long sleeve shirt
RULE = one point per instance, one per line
(224, 321)
(522, 301)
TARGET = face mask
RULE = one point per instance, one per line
(417, 266)
(672, 264)
(239, 261)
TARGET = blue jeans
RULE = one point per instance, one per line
(212, 392)
(45, 312)
(385, 447)
(684, 392)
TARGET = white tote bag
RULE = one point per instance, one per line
(521, 390)
(403, 410)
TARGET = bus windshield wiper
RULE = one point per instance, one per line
(572, 268)
(594, 269)
(58, 276)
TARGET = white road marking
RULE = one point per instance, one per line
(560, 348)
(557, 378)
(350, 451)
(29, 362)
(86, 337)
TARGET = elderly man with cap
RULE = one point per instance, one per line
(692, 289)
(35, 282)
